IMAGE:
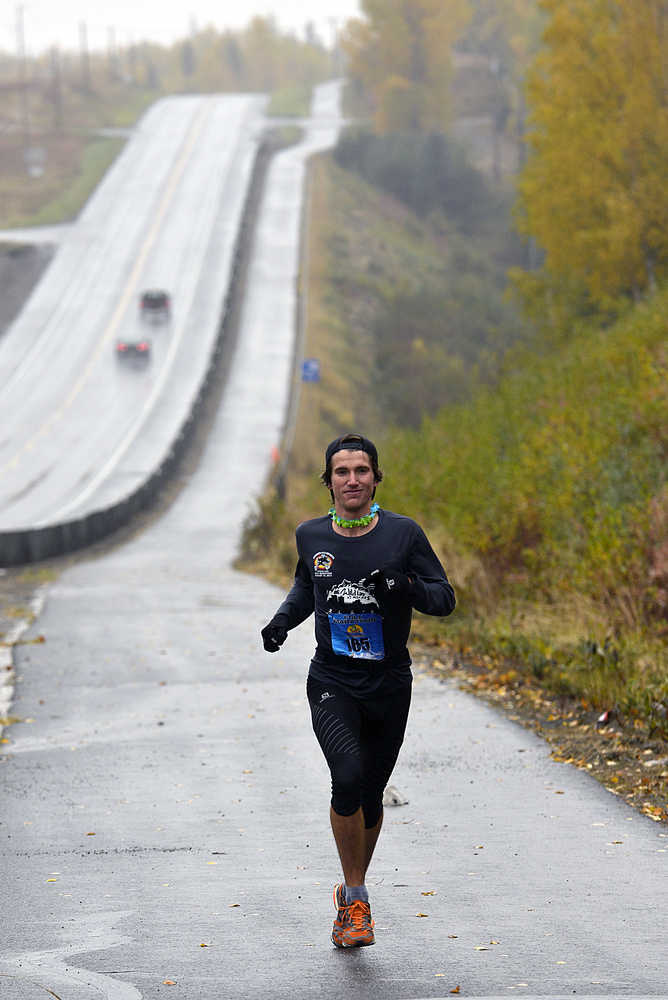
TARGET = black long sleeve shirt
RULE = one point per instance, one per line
(360, 643)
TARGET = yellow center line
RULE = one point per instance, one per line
(130, 288)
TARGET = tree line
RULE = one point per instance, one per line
(583, 84)
(48, 91)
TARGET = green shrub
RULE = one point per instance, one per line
(428, 173)
(555, 477)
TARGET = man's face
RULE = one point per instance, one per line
(353, 482)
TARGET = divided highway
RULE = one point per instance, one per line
(79, 428)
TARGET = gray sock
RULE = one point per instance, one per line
(353, 892)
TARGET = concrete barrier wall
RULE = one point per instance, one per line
(32, 545)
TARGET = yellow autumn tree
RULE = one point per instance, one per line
(400, 55)
(594, 192)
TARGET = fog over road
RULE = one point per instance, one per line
(164, 813)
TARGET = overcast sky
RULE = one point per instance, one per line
(56, 22)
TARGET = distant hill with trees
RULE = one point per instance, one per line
(533, 445)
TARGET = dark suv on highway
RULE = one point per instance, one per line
(154, 304)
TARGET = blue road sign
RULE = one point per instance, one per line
(310, 370)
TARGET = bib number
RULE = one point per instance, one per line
(359, 636)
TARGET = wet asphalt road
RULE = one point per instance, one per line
(80, 428)
(164, 828)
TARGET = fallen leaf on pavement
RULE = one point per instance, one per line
(456, 989)
(421, 914)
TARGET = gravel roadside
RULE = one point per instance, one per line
(21, 267)
(630, 762)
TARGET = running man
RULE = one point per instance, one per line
(362, 570)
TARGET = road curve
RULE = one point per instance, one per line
(78, 428)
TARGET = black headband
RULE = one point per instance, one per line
(351, 442)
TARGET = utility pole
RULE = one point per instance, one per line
(85, 59)
(23, 75)
(56, 88)
(112, 55)
(337, 55)
(132, 61)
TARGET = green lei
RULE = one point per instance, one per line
(355, 522)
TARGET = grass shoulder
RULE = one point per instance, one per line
(290, 102)
(557, 661)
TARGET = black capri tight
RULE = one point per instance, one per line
(360, 739)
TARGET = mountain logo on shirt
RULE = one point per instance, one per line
(322, 564)
(347, 592)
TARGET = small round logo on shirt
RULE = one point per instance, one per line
(322, 563)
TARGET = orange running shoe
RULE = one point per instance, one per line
(339, 906)
(353, 927)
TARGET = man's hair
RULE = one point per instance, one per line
(350, 442)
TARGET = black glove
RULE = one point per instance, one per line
(391, 587)
(273, 636)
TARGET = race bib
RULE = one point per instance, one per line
(359, 636)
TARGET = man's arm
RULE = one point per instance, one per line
(431, 591)
(300, 601)
(295, 609)
(424, 585)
